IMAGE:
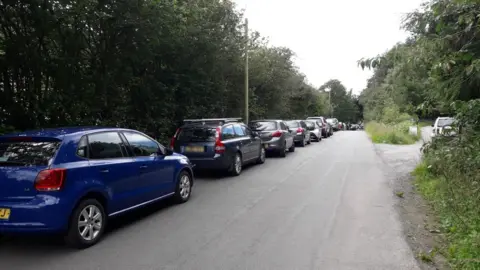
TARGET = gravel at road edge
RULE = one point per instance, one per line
(420, 227)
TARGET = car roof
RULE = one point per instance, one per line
(267, 120)
(209, 124)
(62, 131)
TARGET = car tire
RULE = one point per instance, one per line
(261, 157)
(302, 144)
(183, 189)
(89, 216)
(237, 165)
(292, 148)
(283, 151)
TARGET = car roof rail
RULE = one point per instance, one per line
(221, 121)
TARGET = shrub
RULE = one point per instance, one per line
(449, 178)
(391, 134)
(392, 115)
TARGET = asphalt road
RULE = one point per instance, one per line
(326, 206)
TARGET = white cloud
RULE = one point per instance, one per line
(330, 36)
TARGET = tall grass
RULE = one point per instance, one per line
(391, 133)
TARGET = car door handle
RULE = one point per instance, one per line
(105, 171)
(143, 167)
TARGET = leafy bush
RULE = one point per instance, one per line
(449, 178)
(6, 129)
(391, 134)
(392, 115)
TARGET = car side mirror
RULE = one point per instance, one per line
(165, 151)
(433, 125)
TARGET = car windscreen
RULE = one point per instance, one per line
(27, 153)
(292, 124)
(263, 125)
(197, 134)
(445, 122)
(331, 121)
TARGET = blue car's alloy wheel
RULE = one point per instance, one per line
(87, 224)
(184, 187)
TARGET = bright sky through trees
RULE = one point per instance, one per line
(330, 36)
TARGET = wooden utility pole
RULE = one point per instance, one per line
(246, 70)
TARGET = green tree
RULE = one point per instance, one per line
(343, 104)
(140, 64)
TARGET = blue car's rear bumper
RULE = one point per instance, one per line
(42, 213)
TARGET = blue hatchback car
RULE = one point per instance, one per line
(70, 180)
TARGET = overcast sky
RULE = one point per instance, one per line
(329, 36)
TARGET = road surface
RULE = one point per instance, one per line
(326, 206)
(427, 134)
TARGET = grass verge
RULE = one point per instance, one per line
(391, 134)
(454, 200)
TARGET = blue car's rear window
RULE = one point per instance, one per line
(197, 134)
(27, 153)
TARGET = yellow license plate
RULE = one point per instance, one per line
(4, 214)
(196, 149)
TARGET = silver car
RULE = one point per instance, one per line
(299, 129)
(315, 130)
(443, 126)
(275, 136)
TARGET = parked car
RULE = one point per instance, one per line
(443, 126)
(224, 144)
(327, 130)
(71, 180)
(341, 126)
(300, 131)
(275, 136)
(334, 123)
(315, 130)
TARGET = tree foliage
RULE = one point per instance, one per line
(438, 66)
(143, 64)
(344, 105)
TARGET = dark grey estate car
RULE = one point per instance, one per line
(299, 129)
(275, 136)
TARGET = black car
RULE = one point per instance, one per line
(334, 123)
(275, 135)
(218, 144)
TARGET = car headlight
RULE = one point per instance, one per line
(184, 161)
